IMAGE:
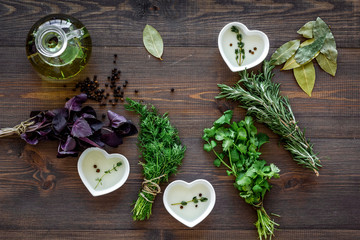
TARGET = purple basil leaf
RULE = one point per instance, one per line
(62, 154)
(59, 122)
(69, 145)
(88, 116)
(112, 139)
(30, 138)
(44, 131)
(115, 119)
(81, 128)
(126, 129)
(74, 104)
(95, 124)
(92, 143)
(89, 110)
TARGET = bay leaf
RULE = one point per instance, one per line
(326, 64)
(320, 28)
(329, 47)
(291, 63)
(307, 29)
(153, 42)
(285, 51)
(307, 42)
(306, 53)
(305, 77)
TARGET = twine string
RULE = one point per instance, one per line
(18, 129)
(150, 187)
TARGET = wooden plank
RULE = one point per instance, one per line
(22, 91)
(183, 23)
(319, 234)
(45, 190)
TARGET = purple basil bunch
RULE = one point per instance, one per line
(77, 127)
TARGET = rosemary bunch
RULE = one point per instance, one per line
(261, 97)
(161, 150)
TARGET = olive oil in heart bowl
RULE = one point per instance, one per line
(58, 46)
(242, 48)
(189, 203)
(101, 172)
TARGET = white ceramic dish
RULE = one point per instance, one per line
(252, 39)
(103, 161)
(193, 213)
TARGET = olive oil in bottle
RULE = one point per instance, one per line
(58, 46)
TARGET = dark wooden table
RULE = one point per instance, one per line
(42, 197)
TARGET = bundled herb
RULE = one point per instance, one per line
(161, 151)
(261, 97)
(75, 127)
(239, 52)
(320, 46)
(240, 146)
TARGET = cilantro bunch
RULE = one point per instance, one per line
(240, 144)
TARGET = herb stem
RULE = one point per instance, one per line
(221, 160)
(115, 166)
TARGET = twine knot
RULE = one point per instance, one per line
(18, 129)
(150, 187)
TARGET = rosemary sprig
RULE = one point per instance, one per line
(239, 52)
(261, 97)
(115, 166)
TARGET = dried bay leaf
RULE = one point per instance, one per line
(305, 77)
(153, 42)
(329, 48)
(326, 65)
(291, 63)
(307, 29)
(306, 53)
(285, 51)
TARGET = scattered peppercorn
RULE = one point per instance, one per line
(97, 170)
(136, 91)
(255, 48)
(95, 166)
(172, 89)
(200, 194)
(181, 207)
(196, 205)
(230, 44)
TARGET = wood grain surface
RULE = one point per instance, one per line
(42, 197)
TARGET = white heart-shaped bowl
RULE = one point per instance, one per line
(191, 214)
(93, 159)
(254, 40)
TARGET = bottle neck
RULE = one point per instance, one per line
(51, 41)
